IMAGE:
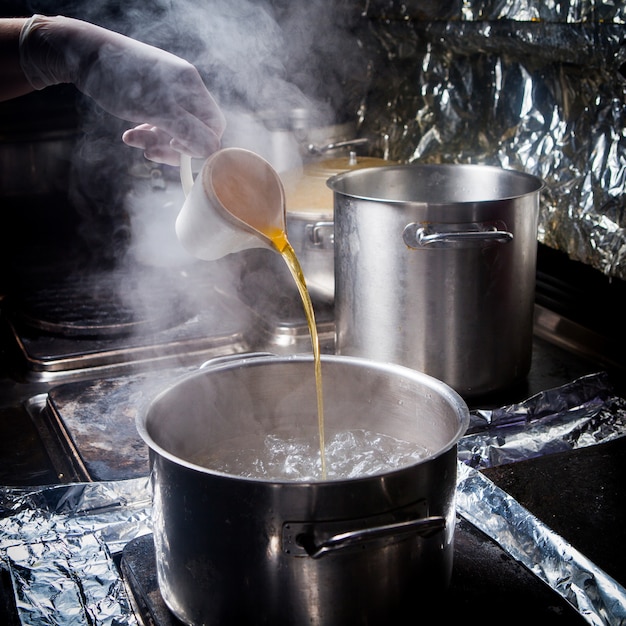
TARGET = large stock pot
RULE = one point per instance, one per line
(366, 550)
(309, 215)
(435, 270)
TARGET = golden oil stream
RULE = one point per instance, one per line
(280, 242)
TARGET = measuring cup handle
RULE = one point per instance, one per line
(186, 173)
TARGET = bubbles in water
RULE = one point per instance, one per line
(349, 454)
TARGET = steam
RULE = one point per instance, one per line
(267, 65)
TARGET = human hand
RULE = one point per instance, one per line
(159, 91)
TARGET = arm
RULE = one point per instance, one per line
(159, 91)
(13, 83)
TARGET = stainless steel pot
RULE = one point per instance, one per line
(311, 236)
(235, 550)
(310, 227)
(435, 270)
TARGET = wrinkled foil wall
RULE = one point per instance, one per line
(535, 86)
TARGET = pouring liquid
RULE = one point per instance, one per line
(245, 199)
(280, 242)
(239, 179)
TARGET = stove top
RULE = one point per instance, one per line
(63, 327)
(105, 373)
(91, 422)
(104, 323)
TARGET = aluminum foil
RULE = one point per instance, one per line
(599, 599)
(58, 543)
(569, 11)
(582, 413)
(533, 86)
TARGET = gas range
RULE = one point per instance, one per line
(568, 489)
(66, 327)
(106, 322)
(81, 393)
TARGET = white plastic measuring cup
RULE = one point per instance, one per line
(236, 202)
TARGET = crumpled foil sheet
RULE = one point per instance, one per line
(568, 11)
(531, 86)
(58, 543)
(582, 413)
(599, 598)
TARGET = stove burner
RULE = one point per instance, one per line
(138, 566)
(103, 304)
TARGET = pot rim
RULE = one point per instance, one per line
(236, 361)
(338, 183)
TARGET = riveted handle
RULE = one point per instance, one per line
(299, 539)
(320, 234)
(419, 236)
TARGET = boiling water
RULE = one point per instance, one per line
(349, 454)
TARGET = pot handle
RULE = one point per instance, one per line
(349, 143)
(320, 234)
(301, 536)
(417, 236)
(219, 360)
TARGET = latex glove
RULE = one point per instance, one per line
(161, 92)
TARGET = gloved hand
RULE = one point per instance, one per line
(161, 92)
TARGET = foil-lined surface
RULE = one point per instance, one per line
(582, 413)
(59, 543)
(532, 86)
(598, 597)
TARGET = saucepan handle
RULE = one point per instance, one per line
(419, 236)
(300, 538)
